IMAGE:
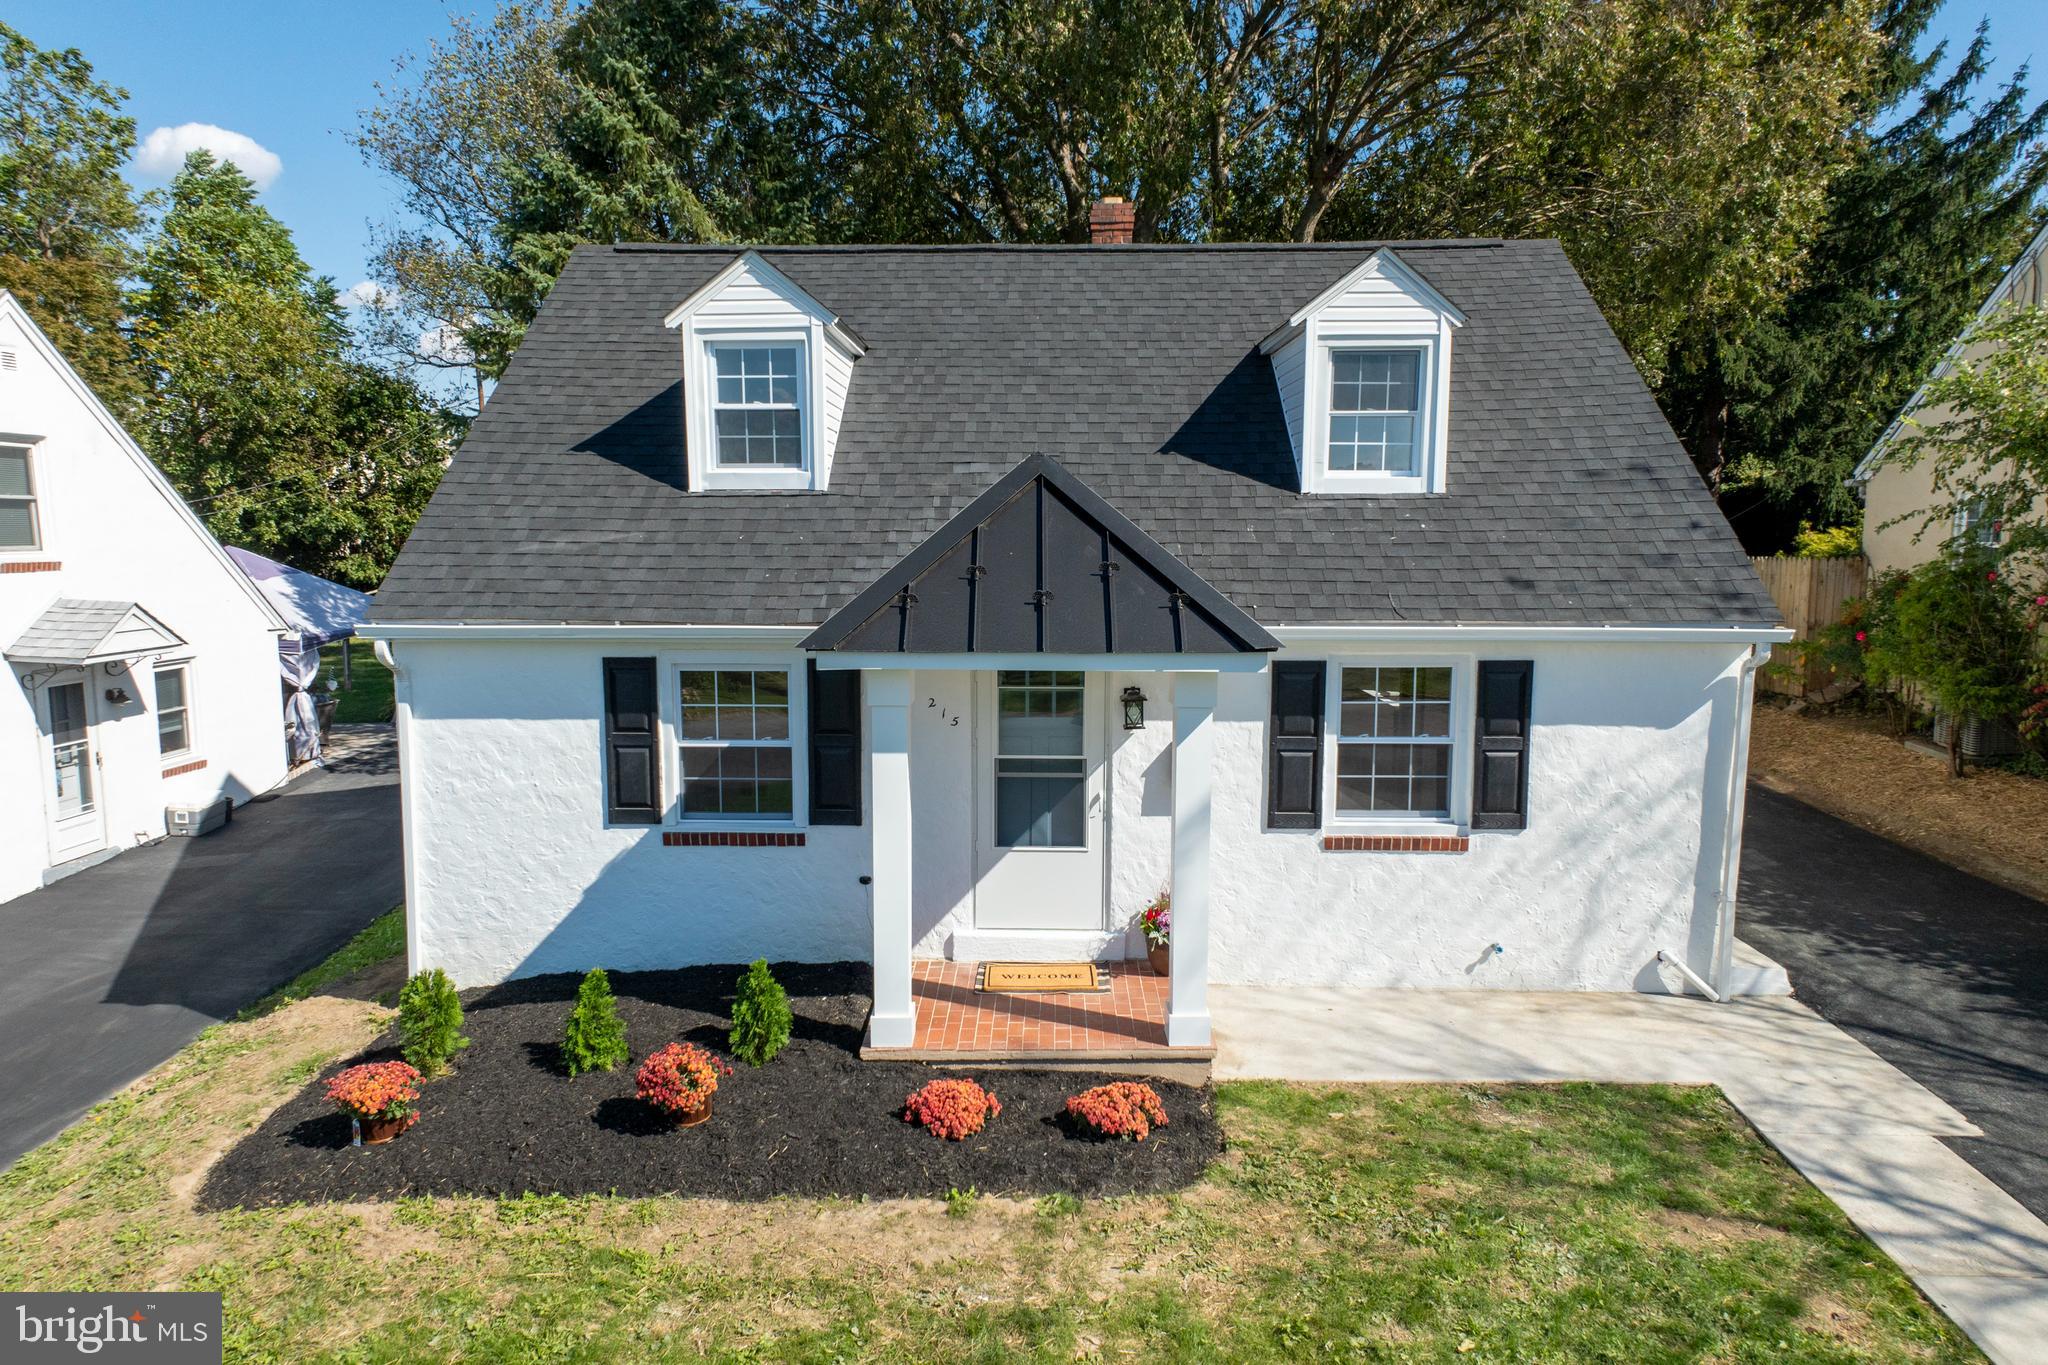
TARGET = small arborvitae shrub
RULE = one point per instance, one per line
(595, 1039)
(951, 1109)
(1121, 1109)
(760, 1016)
(430, 1022)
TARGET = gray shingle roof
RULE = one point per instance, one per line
(80, 630)
(1570, 500)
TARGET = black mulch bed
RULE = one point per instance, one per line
(815, 1121)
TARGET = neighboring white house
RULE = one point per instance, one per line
(141, 663)
(883, 603)
(1897, 498)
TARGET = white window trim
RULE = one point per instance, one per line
(36, 495)
(166, 666)
(1432, 427)
(670, 667)
(1464, 672)
(1969, 522)
(701, 383)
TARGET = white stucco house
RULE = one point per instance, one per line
(893, 603)
(141, 663)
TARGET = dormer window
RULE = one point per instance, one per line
(766, 371)
(1375, 403)
(758, 411)
(1364, 379)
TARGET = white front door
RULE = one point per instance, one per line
(71, 769)
(1038, 804)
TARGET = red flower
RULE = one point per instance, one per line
(1121, 1109)
(680, 1079)
(1992, 576)
(1861, 637)
(951, 1109)
(375, 1090)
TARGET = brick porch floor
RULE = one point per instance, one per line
(956, 1022)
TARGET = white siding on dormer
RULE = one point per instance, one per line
(1374, 302)
(1288, 364)
(749, 299)
(838, 379)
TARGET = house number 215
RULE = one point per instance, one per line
(944, 715)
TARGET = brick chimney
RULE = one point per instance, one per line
(1111, 221)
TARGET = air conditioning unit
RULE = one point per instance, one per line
(1981, 738)
(191, 821)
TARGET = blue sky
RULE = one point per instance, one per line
(291, 76)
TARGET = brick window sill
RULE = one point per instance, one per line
(194, 766)
(711, 838)
(1395, 843)
(30, 566)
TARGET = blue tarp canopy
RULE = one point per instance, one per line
(318, 612)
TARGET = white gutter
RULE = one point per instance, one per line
(565, 630)
(1738, 791)
(1677, 635)
(401, 693)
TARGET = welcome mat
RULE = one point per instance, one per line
(1039, 978)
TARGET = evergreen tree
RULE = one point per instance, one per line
(65, 210)
(1938, 202)
(595, 1037)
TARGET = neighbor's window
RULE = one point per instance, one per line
(756, 410)
(1971, 528)
(1375, 410)
(173, 711)
(736, 756)
(1394, 742)
(17, 500)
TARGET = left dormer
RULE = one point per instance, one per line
(766, 369)
(1364, 378)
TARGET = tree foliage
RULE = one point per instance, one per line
(761, 1019)
(430, 1021)
(65, 211)
(257, 411)
(1938, 201)
(1982, 428)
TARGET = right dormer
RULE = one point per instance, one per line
(1364, 372)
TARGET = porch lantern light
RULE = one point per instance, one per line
(1134, 708)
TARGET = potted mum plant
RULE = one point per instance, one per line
(680, 1080)
(1157, 922)
(379, 1099)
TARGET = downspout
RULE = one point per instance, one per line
(401, 692)
(1731, 851)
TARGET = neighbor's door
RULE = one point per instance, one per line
(72, 769)
(1038, 801)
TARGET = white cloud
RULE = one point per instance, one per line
(444, 344)
(365, 294)
(162, 154)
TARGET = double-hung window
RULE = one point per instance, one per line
(1394, 742)
(18, 523)
(737, 761)
(1375, 411)
(173, 710)
(757, 411)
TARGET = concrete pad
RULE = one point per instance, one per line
(1751, 973)
(1866, 1134)
(2007, 1318)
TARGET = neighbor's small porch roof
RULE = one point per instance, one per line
(1040, 565)
(77, 632)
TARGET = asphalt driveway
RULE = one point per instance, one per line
(112, 970)
(1940, 973)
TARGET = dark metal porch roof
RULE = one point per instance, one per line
(1040, 564)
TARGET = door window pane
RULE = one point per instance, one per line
(1041, 765)
(70, 750)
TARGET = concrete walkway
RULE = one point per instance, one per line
(1861, 1130)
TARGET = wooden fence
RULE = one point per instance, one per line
(1811, 594)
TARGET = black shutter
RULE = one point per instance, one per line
(1500, 787)
(632, 743)
(835, 744)
(1294, 746)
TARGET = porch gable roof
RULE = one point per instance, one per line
(1040, 563)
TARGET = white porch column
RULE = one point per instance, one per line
(1194, 743)
(893, 1023)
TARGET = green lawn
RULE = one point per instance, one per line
(370, 700)
(1451, 1223)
